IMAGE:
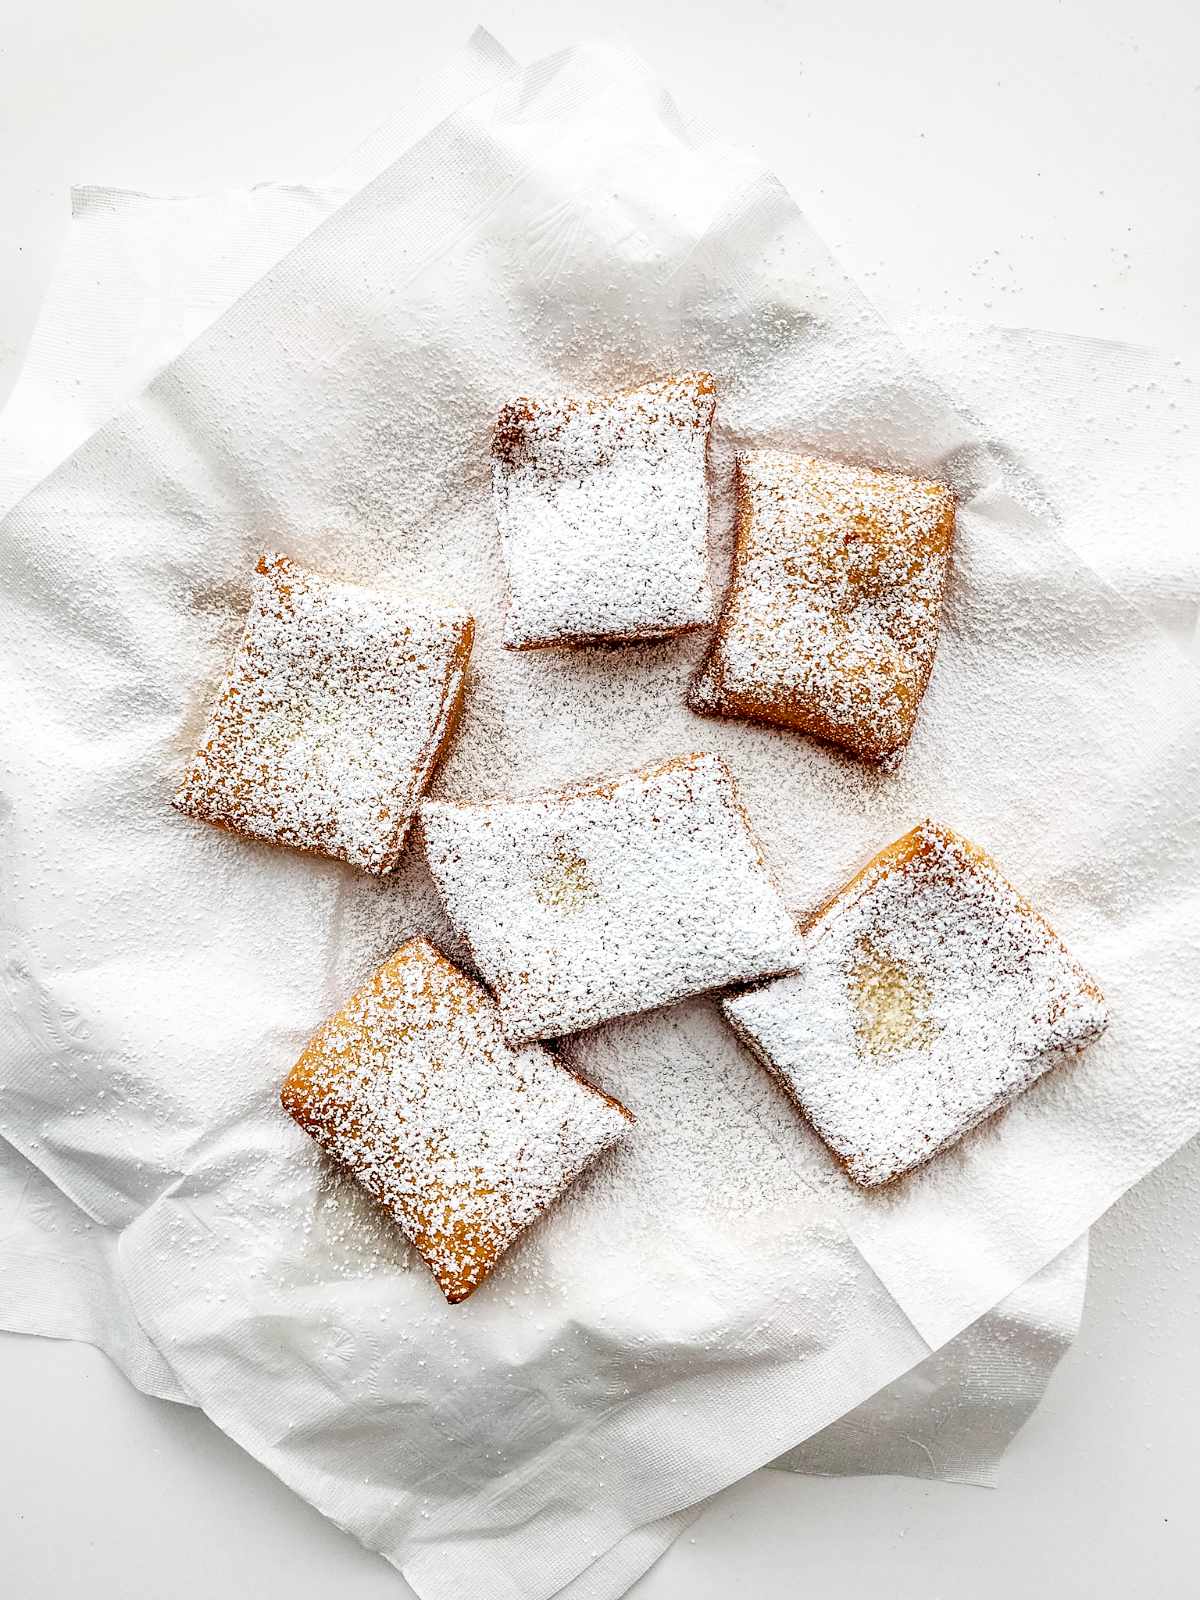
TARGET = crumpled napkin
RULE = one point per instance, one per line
(205, 1136)
(139, 278)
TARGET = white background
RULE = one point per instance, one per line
(1031, 163)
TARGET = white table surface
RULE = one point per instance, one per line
(1033, 164)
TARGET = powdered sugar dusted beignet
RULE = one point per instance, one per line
(602, 506)
(611, 896)
(463, 1139)
(831, 622)
(931, 994)
(332, 718)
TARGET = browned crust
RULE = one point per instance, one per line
(584, 641)
(601, 784)
(922, 840)
(310, 1088)
(442, 739)
(508, 437)
(710, 667)
(724, 702)
(890, 859)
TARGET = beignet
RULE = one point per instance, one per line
(463, 1139)
(931, 995)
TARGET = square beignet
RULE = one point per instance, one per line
(831, 622)
(332, 718)
(931, 994)
(602, 507)
(611, 896)
(464, 1140)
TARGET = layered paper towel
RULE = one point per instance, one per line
(162, 269)
(532, 246)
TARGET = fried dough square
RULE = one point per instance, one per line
(463, 1139)
(602, 507)
(610, 896)
(332, 718)
(931, 995)
(831, 622)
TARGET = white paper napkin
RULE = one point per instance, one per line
(142, 275)
(165, 267)
(60, 1277)
(295, 386)
(1102, 436)
(952, 1416)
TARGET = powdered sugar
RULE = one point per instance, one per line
(332, 718)
(931, 995)
(602, 506)
(463, 1139)
(1060, 731)
(831, 622)
(611, 896)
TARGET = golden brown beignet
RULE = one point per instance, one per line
(332, 718)
(831, 622)
(932, 994)
(462, 1138)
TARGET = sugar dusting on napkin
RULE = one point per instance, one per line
(789, 1323)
